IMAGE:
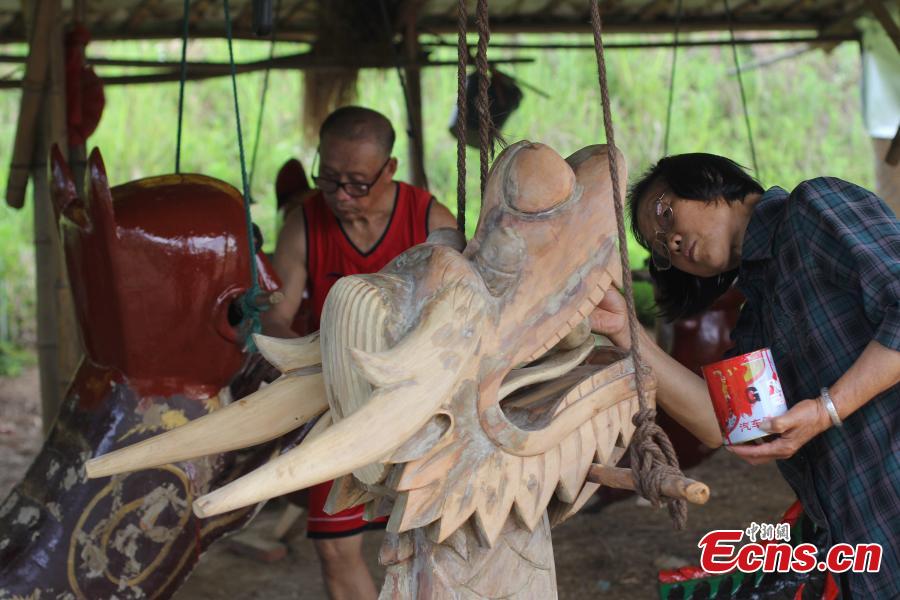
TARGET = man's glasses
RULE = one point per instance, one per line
(352, 188)
(659, 247)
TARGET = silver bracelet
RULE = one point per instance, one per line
(828, 403)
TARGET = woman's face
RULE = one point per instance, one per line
(704, 238)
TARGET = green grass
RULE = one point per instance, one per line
(805, 113)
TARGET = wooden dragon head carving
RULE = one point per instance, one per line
(450, 380)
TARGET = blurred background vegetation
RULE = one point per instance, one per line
(805, 114)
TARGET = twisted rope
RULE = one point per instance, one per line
(485, 126)
(652, 455)
(462, 52)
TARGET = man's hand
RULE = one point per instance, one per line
(255, 371)
(610, 318)
(796, 427)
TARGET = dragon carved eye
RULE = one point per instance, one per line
(542, 180)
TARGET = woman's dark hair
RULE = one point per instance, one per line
(705, 178)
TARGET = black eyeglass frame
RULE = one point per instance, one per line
(354, 189)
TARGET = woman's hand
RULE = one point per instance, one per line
(796, 427)
(610, 318)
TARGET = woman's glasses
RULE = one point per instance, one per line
(659, 247)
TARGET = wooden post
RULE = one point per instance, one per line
(881, 12)
(78, 152)
(887, 176)
(59, 348)
(414, 97)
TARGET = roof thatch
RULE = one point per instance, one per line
(298, 19)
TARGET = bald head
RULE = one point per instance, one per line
(355, 123)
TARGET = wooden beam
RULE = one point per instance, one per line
(660, 44)
(199, 8)
(880, 11)
(745, 7)
(142, 11)
(673, 486)
(169, 76)
(29, 109)
(442, 25)
(653, 9)
(414, 95)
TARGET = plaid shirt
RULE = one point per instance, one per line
(821, 273)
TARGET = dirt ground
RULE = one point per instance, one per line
(614, 553)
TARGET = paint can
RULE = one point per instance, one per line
(744, 390)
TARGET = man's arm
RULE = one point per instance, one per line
(440, 217)
(290, 264)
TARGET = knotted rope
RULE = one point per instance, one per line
(652, 455)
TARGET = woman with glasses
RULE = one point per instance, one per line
(820, 269)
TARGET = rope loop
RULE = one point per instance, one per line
(652, 456)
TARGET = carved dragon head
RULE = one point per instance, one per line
(450, 381)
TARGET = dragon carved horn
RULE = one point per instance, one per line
(434, 355)
(274, 410)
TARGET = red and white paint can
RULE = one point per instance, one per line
(744, 390)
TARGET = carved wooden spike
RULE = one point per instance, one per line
(355, 320)
(63, 190)
(340, 450)
(99, 201)
(290, 354)
(274, 410)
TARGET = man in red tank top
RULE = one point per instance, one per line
(357, 221)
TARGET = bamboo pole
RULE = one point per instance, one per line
(414, 98)
(58, 342)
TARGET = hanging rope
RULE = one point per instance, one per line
(250, 307)
(652, 455)
(737, 68)
(672, 79)
(264, 94)
(485, 126)
(184, 42)
(462, 54)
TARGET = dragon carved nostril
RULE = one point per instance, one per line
(500, 259)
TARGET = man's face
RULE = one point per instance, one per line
(355, 161)
(704, 238)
